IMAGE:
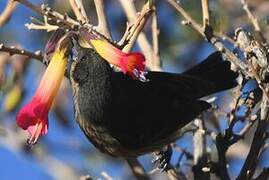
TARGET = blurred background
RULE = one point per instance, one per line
(64, 153)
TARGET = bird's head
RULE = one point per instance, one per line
(85, 65)
(82, 62)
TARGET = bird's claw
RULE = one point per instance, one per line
(162, 158)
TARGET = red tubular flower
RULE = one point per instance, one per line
(132, 64)
(34, 115)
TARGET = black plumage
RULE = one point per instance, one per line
(126, 117)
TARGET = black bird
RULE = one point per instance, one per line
(126, 117)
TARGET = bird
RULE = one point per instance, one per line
(124, 116)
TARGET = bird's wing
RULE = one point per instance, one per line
(148, 112)
(182, 85)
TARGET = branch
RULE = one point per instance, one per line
(6, 14)
(137, 169)
(212, 38)
(78, 9)
(205, 10)
(259, 138)
(155, 62)
(53, 15)
(134, 32)
(200, 155)
(102, 20)
(13, 50)
(45, 26)
(139, 24)
(253, 20)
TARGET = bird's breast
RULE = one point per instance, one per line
(92, 104)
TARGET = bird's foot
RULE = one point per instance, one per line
(162, 158)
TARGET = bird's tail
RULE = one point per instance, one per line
(216, 70)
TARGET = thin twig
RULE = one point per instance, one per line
(138, 25)
(45, 26)
(122, 41)
(253, 20)
(48, 27)
(134, 32)
(13, 50)
(102, 20)
(205, 10)
(78, 9)
(156, 65)
(6, 14)
(232, 114)
(53, 15)
(190, 20)
(214, 41)
(200, 155)
(250, 164)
